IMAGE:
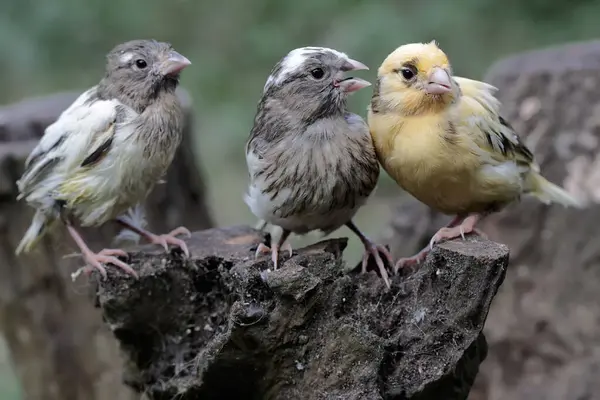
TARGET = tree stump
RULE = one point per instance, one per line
(543, 326)
(58, 344)
(220, 326)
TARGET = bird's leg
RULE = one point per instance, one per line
(374, 250)
(164, 240)
(420, 256)
(281, 244)
(275, 247)
(95, 260)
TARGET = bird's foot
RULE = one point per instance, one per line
(372, 249)
(105, 256)
(262, 249)
(274, 250)
(409, 262)
(467, 226)
(113, 252)
(448, 233)
(170, 238)
(458, 227)
(96, 260)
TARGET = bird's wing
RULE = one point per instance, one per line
(52, 137)
(479, 115)
(255, 155)
(81, 136)
(262, 136)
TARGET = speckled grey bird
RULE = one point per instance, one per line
(107, 150)
(312, 164)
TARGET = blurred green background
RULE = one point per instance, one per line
(55, 45)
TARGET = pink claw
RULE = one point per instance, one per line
(274, 250)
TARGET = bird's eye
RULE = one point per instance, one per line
(141, 64)
(317, 73)
(407, 73)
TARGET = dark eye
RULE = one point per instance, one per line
(407, 73)
(317, 73)
(141, 64)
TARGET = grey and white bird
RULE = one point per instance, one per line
(312, 163)
(106, 151)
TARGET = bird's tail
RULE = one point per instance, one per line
(547, 192)
(40, 224)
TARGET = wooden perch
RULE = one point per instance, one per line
(217, 326)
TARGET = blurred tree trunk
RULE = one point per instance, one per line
(59, 346)
(543, 325)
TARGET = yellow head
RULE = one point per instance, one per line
(415, 79)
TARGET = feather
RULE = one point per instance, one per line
(547, 192)
(99, 152)
(261, 225)
(67, 141)
(135, 216)
(478, 111)
(40, 223)
(33, 176)
(65, 145)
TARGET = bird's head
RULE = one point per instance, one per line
(416, 79)
(139, 70)
(312, 81)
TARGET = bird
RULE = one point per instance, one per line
(311, 162)
(443, 139)
(107, 150)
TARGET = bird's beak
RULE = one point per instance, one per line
(439, 82)
(174, 64)
(351, 84)
(353, 65)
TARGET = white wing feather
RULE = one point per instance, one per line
(79, 130)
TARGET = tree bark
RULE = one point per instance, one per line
(59, 347)
(543, 326)
(219, 326)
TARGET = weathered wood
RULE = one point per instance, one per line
(543, 326)
(58, 344)
(218, 326)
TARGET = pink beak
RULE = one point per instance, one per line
(439, 82)
(353, 65)
(174, 64)
(352, 84)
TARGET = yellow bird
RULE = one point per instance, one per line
(442, 139)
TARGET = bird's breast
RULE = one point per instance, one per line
(433, 166)
(303, 186)
(120, 180)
